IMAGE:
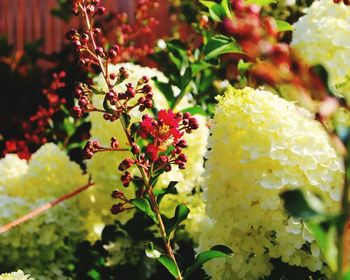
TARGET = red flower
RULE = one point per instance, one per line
(152, 151)
(168, 118)
(18, 147)
(168, 126)
(146, 127)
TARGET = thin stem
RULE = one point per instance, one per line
(145, 177)
(341, 261)
(112, 150)
(43, 208)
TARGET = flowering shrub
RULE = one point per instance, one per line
(105, 180)
(319, 37)
(264, 145)
(18, 275)
(158, 189)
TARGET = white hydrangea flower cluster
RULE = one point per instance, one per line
(322, 36)
(18, 275)
(262, 145)
(103, 166)
(44, 245)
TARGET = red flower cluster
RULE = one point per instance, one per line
(166, 130)
(130, 31)
(346, 2)
(18, 147)
(35, 130)
(274, 63)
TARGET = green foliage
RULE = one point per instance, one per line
(301, 205)
(171, 189)
(217, 12)
(219, 45)
(219, 251)
(261, 2)
(169, 264)
(181, 213)
(283, 26)
(144, 205)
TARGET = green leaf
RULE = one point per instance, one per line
(171, 189)
(199, 66)
(219, 251)
(218, 11)
(261, 2)
(219, 45)
(167, 90)
(301, 205)
(227, 7)
(108, 108)
(169, 264)
(347, 275)
(151, 252)
(283, 26)
(181, 213)
(185, 79)
(126, 118)
(144, 205)
(243, 66)
(195, 110)
(325, 231)
(178, 54)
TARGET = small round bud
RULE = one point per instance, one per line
(101, 10)
(117, 194)
(187, 115)
(117, 208)
(147, 88)
(76, 112)
(71, 33)
(90, 9)
(112, 53)
(125, 164)
(114, 143)
(167, 168)
(182, 157)
(193, 123)
(182, 165)
(135, 149)
(85, 38)
(116, 48)
(100, 52)
(182, 143)
(96, 31)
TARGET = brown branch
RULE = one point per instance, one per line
(43, 208)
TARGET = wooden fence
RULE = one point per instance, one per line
(28, 20)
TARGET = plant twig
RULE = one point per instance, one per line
(41, 209)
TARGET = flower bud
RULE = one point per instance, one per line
(76, 112)
(135, 149)
(101, 10)
(125, 164)
(114, 143)
(117, 208)
(182, 157)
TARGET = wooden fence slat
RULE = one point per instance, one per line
(28, 20)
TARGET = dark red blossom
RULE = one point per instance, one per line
(152, 151)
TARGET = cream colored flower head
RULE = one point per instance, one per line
(40, 246)
(11, 167)
(18, 275)
(260, 146)
(322, 36)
